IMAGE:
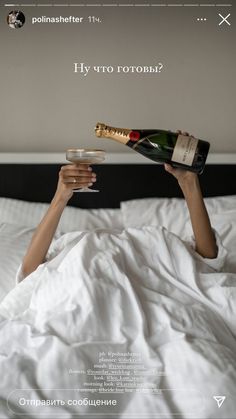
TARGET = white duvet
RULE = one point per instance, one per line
(128, 323)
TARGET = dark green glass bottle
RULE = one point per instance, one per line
(162, 146)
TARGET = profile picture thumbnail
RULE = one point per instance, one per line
(16, 19)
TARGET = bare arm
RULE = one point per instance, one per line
(45, 231)
(203, 233)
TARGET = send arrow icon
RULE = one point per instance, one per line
(219, 400)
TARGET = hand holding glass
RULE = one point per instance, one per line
(85, 156)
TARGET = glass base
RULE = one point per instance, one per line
(85, 190)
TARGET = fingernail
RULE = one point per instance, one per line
(90, 184)
(90, 169)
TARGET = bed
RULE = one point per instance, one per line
(128, 321)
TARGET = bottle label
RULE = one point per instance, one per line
(185, 149)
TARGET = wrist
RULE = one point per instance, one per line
(59, 200)
(190, 184)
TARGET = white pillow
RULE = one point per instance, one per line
(225, 224)
(173, 214)
(221, 204)
(25, 213)
(14, 241)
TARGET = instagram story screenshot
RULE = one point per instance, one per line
(117, 209)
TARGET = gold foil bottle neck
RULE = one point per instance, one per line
(99, 129)
(118, 134)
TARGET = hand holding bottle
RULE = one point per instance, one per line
(183, 176)
(190, 186)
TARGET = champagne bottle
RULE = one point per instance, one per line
(162, 146)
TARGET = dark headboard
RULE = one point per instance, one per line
(117, 182)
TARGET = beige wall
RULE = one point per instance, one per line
(44, 106)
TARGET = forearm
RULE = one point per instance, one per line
(42, 237)
(70, 177)
(203, 233)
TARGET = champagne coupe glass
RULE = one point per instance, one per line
(85, 156)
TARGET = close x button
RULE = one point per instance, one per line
(224, 19)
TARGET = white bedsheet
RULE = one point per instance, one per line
(18, 220)
(141, 294)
